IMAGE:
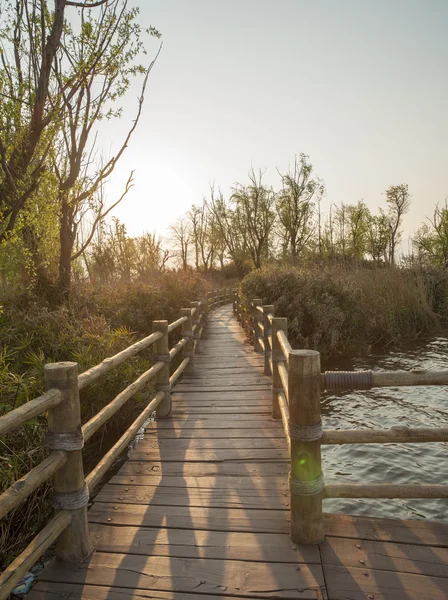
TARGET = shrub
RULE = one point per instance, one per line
(96, 323)
(341, 310)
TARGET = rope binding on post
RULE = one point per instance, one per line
(70, 500)
(306, 488)
(305, 433)
(165, 358)
(73, 440)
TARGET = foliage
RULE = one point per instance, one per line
(95, 324)
(344, 310)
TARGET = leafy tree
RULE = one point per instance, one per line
(255, 215)
(295, 204)
(432, 241)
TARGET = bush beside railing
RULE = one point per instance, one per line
(296, 386)
(66, 435)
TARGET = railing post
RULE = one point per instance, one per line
(278, 324)
(257, 320)
(187, 332)
(64, 433)
(305, 431)
(162, 352)
(268, 309)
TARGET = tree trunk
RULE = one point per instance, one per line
(65, 258)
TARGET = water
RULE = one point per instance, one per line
(388, 407)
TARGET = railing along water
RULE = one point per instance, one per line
(297, 382)
(66, 435)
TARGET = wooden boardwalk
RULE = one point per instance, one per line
(201, 508)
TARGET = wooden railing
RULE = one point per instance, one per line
(297, 383)
(66, 435)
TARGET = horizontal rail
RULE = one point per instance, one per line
(384, 436)
(261, 342)
(180, 369)
(269, 338)
(259, 308)
(284, 344)
(23, 487)
(284, 411)
(362, 380)
(40, 544)
(385, 490)
(282, 371)
(270, 316)
(110, 363)
(19, 416)
(102, 467)
(178, 347)
(110, 409)
(176, 324)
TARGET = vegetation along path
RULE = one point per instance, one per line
(201, 508)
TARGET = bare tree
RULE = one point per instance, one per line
(180, 236)
(399, 201)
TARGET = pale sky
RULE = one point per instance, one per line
(359, 86)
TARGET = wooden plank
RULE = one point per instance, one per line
(220, 410)
(179, 433)
(219, 455)
(258, 547)
(180, 517)
(385, 556)
(70, 591)
(359, 584)
(215, 444)
(246, 579)
(181, 496)
(212, 422)
(387, 530)
(194, 388)
(219, 482)
(233, 469)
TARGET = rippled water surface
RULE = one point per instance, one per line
(389, 407)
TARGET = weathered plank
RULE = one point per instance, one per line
(180, 517)
(239, 578)
(207, 498)
(385, 556)
(234, 469)
(219, 455)
(259, 547)
(70, 591)
(219, 482)
(387, 530)
(214, 444)
(359, 584)
(198, 433)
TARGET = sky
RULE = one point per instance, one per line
(359, 86)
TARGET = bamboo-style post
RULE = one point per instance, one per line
(187, 332)
(305, 431)
(162, 352)
(278, 324)
(64, 433)
(268, 309)
(257, 320)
